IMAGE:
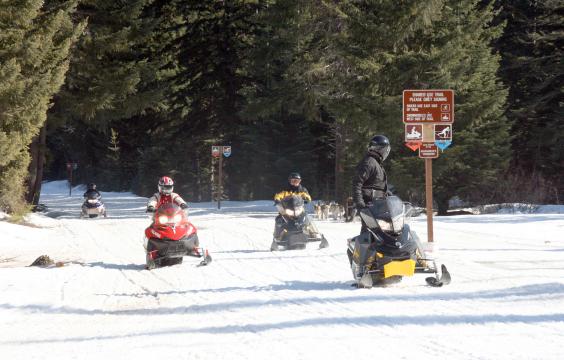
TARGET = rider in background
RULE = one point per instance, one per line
(294, 188)
(91, 190)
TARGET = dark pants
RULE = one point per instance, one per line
(364, 228)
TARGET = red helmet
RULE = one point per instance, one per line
(165, 185)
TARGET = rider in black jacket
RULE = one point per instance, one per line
(370, 181)
(91, 190)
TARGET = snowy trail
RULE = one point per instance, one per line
(506, 300)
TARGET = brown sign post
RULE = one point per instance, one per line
(428, 116)
(71, 165)
(219, 152)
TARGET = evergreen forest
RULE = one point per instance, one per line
(129, 91)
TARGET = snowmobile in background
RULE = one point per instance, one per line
(293, 229)
(171, 237)
(388, 250)
(93, 206)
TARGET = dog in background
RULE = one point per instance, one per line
(321, 210)
(317, 209)
(336, 210)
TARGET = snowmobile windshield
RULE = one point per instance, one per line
(389, 213)
(292, 202)
(292, 205)
(169, 214)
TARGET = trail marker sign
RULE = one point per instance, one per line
(428, 116)
(428, 106)
(428, 151)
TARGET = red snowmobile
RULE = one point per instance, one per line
(171, 237)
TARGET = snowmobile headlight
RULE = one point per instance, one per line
(177, 218)
(384, 225)
(92, 201)
(163, 219)
(299, 210)
(289, 212)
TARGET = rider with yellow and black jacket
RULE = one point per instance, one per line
(299, 190)
(294, 188)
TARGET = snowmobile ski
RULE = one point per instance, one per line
(207, 259)
(443, 280)
(324, 243)
(366, 281)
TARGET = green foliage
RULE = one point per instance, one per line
(351, 60)
(533, 69)
(445, 46)
(35, 40)
(112, 75)
(298, 86)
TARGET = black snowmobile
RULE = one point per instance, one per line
(293, 228)
(388, 249)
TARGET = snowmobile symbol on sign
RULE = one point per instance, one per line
(413, 132)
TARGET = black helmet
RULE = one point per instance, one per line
(380, 145)
(294, 175)
(91, 186)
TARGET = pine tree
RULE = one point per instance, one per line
(436, 44)
(35, 40)
(533, 69)
(204, 44)
(116, 80)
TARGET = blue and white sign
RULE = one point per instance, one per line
(227, 151)
(443, 144)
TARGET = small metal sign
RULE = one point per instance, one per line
(413, 132)
(215, 151)
(443, 132)
(227, 151)
(428, 106)
(428, 151)
(413, 145)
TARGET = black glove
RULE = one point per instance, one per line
(183, 206)
(150, 209)
(360, 205)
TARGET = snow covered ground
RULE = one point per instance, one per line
(506, 300)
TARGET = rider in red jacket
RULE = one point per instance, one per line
(165, 196)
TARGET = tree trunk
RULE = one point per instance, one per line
(37, 150)
(442, 205)
(198, 184)
(340, 136)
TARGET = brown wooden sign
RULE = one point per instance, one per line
(428, 150)
(428, 106)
